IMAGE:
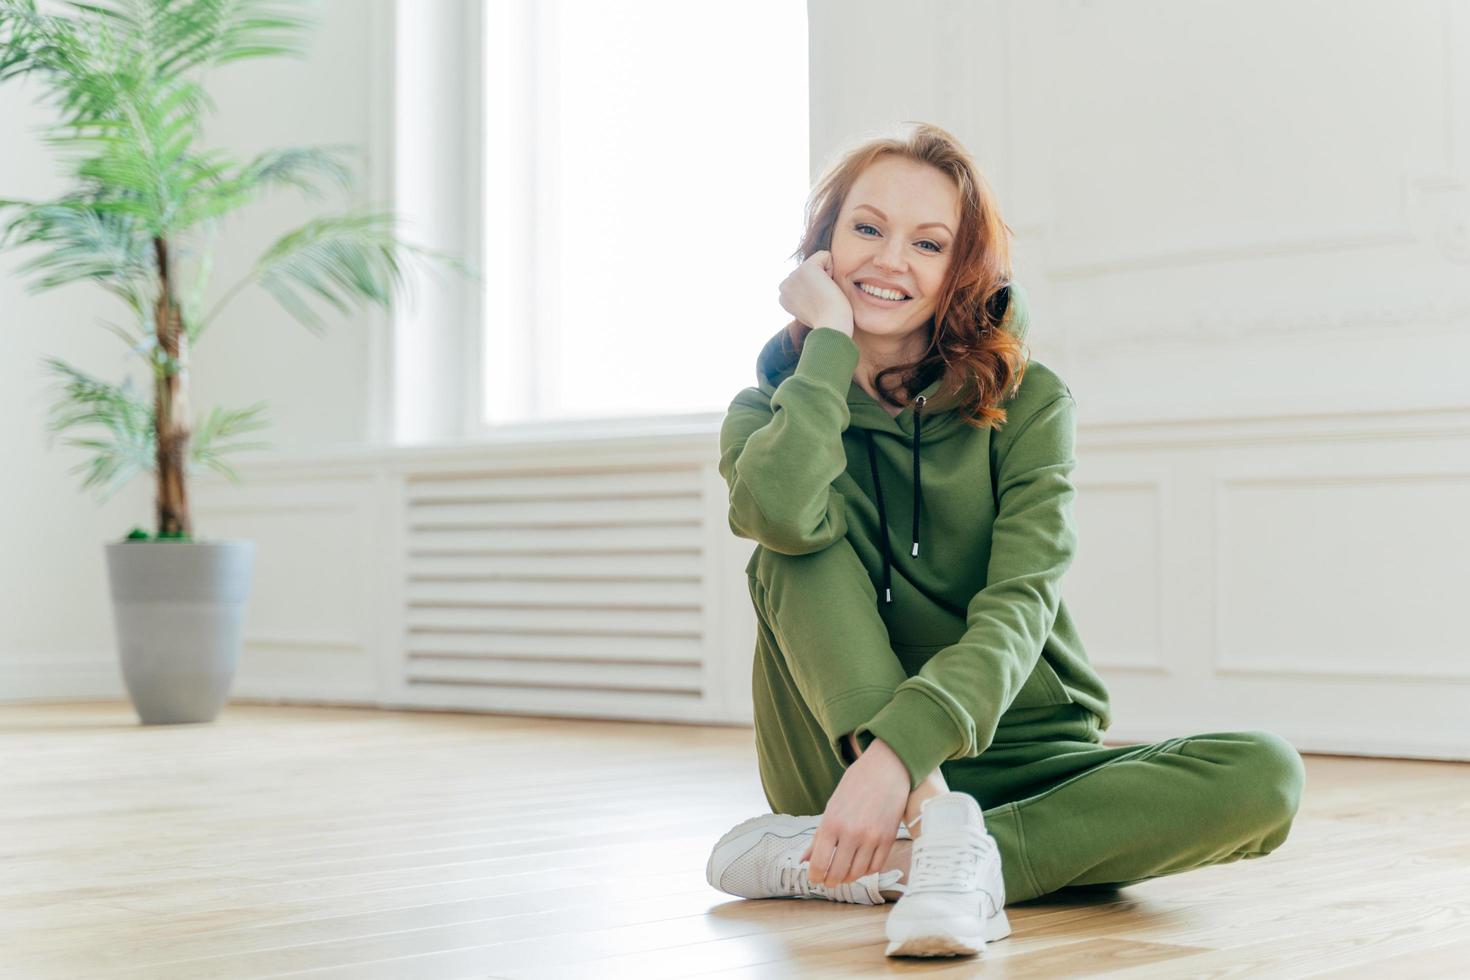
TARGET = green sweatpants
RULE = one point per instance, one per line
(1066, 810)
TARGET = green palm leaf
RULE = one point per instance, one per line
(210, 437)
(86, 243)
(339, 259)
(216, 32)
(126, 446)
(215, 193)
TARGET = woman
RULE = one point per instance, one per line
(940, 686)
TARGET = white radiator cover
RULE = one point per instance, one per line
(584, 584)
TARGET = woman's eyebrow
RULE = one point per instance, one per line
(927, 224)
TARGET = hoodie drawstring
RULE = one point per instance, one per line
(882, 514)
(918, 491)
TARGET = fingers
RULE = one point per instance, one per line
(841, 868)
(844, 862)
(881, 854)
(821, 852)
(862, 860)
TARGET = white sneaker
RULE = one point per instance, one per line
(954, 900)
(761, 858)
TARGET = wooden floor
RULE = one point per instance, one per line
(374, 844)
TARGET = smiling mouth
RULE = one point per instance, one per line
(879, 299)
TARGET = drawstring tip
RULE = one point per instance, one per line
(887, 595)
(916, 549)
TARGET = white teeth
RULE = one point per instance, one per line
(882, 293)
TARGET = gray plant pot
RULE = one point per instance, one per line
(178, 607)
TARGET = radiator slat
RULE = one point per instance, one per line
(563, 540)
(650, 567)
(671, 509)
(632, 677)
(623, 622)
(595, 647)
(597, 484)
(555, 596)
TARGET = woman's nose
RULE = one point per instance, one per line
(890, 258)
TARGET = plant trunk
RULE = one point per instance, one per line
(171, 405)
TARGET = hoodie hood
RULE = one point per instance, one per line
(927, 418)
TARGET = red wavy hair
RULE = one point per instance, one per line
(981, 364)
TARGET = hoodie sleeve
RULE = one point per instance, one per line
(780, 455)
(950, 709)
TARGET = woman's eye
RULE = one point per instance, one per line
(863, 224)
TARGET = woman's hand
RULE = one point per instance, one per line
(861, 821)
(812, 296)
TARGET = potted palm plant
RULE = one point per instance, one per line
(141, 219)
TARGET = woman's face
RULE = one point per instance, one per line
(896, 228)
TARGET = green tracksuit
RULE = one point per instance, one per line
(935, 621)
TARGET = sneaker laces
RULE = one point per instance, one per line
(947, 862)
(867, 890)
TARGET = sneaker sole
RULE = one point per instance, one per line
(932, 939)
(741, 837)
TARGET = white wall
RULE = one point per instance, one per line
(1221, 209)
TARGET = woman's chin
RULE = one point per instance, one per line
(879, 326)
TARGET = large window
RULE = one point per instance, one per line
(646, 168)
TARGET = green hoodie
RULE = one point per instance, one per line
(972, 601)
